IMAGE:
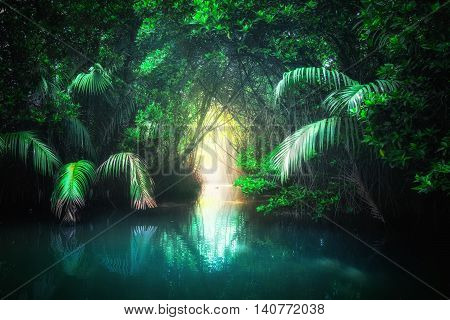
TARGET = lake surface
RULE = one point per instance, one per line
(218, 248)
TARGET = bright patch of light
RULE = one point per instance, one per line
(216, 217)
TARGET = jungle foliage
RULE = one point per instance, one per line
(353, 96)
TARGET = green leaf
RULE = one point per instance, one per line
(72, 185)
(134, 169)
(2, 146)
(78, 135)
(304, 144)
(25, 145)
(352, 97)
(312, 75)
(95, 82)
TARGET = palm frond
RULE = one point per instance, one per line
(25, 144)
(313, 75)
(95, 82)
(50, 88)
(78, 135)
(43, 87)
(352, 97)
(72, 185)
(2, 146)
(125, 108)
(130, 165)
(303, 144)
(354, 177)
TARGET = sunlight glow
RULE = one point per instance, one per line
(215, 214)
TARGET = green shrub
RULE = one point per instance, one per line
(295, 196)
(252, 185)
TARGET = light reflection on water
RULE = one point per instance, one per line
(212, 250)
(217, 225)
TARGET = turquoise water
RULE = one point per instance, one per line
(218, 248)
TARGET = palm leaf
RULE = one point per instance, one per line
(352, 97)
(72, 185)
(125, 108)
(363, 192)
(43, 87)
(303, 144)
(312, 75)
(25, 144)
(78, 135)
(141, 184)
(2, 146)
(51, 88)
(95, 82)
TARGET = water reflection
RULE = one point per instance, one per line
(213, 250)
(64, 244)
(133, 260)
(44, 287)
(217, 226)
